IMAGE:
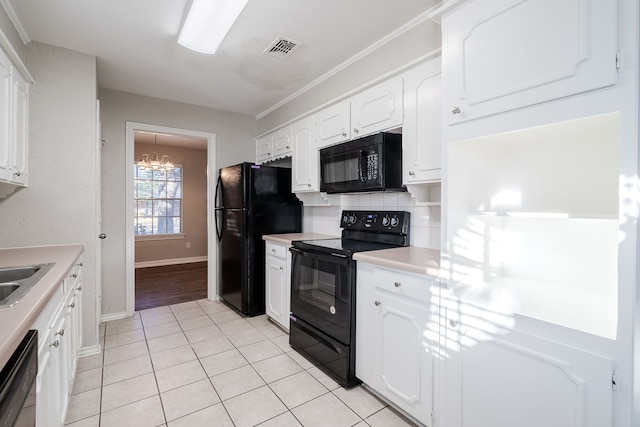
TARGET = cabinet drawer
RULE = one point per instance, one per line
(278, 251)
(403, 284)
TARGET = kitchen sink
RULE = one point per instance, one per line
(15, 282)
(10, 274)
(7, 289)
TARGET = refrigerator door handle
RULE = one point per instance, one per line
(219, 210)
(219, 228)
(218, 189)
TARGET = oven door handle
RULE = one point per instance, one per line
(294, 250)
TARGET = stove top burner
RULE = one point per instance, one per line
(364, 231)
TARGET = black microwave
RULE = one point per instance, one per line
(370, 163)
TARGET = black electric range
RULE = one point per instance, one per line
(323, 282)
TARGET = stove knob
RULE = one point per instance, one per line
(345, 218)
(352, 219)
(386, 221)
(395, 221)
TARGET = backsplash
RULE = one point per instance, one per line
(425, 220)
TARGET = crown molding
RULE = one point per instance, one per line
(6, 5)
(424, 16)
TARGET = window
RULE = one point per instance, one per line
(158, 201)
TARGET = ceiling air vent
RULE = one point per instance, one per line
(281, 47)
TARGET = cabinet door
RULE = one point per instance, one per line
(282, 143)
(20, 129)
(333, 125)
(5, 117)
(404, 371)
(304, 163)
(506, 54)
(263, 148)
(488, 365)
(275, 290)
(377, 108)
(421, 136)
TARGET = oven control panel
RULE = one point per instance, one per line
(382, 221)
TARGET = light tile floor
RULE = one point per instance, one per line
(201, 364)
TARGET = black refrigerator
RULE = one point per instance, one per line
(251, 201)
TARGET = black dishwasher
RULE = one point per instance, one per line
(17, 384)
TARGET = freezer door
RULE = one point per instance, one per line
(233, 262)
(231, 192)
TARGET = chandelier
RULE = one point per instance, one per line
(152, 162)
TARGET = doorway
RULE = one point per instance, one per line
(162, 138)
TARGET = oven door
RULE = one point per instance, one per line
(322, 291)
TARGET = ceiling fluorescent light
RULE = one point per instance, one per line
(208, 23)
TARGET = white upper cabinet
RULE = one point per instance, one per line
(20, 129)
(501, 55)
(305, 159)
(282, 143)
(421, 131)
(377, 108)
(14, 126)
(5, 108)
(274, 145)
(333, 124)
(263, 148)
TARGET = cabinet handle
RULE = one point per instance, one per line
(344, 133)
(17, 173)
(377, 303)
(56, 344)
(268, 153)
(397, 284)
(288, 147)
(411, 173)
(72, 305)
(74, 275)
(309, 185)
(280, 268)
(355, 130)
(273, 250)
(81, 264)
(454, 323)
(60, 332)
(79, 288)
(456, 110)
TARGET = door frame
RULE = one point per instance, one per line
(212, 247)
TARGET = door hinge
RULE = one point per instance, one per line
(618, 61)
(614, 380)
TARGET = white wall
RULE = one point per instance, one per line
(235, 140)
(59, 206)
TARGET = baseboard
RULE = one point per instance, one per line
(90, 351)
(172, 261)
(113, 316)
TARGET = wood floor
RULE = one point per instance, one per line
(170, 284)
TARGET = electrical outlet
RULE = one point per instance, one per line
(188, 245)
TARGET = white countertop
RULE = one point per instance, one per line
(17, 320)
(287, 239)
(410, 259)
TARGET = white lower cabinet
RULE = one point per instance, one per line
(59, 339)
(495, 373)
(393, 342)
(278, 282)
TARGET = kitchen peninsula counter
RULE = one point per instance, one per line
(410, 259)
(17, 320)
(289, 238)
